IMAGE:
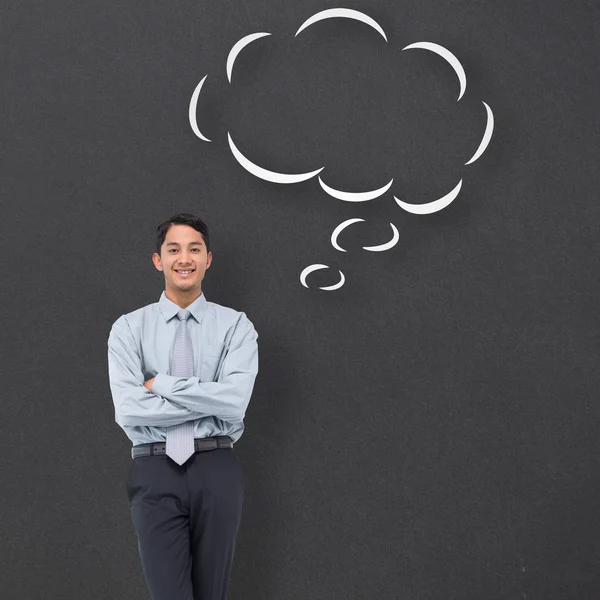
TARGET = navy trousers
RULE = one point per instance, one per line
(186, 519)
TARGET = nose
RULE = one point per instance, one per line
(184, 260)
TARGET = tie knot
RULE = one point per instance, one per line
(183, 314)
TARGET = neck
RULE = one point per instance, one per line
(183, 298)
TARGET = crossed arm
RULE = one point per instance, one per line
(166, 400)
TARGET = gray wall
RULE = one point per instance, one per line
(427, 432)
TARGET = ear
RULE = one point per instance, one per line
(208, 259)
(157, 262)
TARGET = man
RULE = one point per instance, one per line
(181, 374)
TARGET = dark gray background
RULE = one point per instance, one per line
(427, 432)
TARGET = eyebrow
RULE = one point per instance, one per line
(190, 244)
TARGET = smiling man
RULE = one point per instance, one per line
(181, 373)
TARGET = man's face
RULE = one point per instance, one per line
(183, 250)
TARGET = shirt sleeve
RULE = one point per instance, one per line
(228, 396)
(134, 403)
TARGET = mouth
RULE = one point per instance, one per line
(185, 272)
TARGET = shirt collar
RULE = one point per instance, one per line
(169, 309)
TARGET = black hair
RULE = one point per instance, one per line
(182, 219)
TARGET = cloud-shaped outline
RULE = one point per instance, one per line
(275, 177)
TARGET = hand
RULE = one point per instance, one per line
(148, 384)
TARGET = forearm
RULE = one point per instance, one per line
(227, 400)
(136, 406)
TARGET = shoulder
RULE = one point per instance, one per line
(133, 320)
(227, 316)
(222, 312)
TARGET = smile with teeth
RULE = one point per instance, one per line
(185, 272)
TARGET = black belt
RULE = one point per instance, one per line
(200, 444)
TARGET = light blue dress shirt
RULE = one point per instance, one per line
(140, 345)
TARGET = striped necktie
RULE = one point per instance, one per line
(180, 438)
